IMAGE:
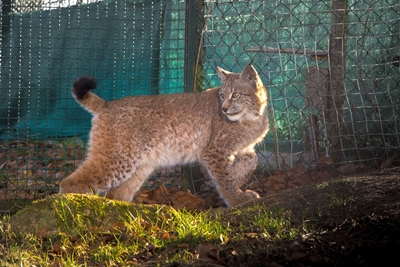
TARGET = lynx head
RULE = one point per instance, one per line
(242, 95)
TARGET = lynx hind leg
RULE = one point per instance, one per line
(228, 184)
(88, 178)
(127, 190)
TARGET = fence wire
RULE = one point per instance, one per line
(331, 69)
(131, 47)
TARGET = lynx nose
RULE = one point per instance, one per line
(225, 107)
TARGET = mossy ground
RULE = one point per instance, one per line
(349, 221)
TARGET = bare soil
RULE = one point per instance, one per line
(356, 219)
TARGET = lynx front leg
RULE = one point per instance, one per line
(127, 190)
(222, 169)
(243, 166)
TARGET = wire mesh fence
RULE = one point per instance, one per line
(132, 48)
(331, 69)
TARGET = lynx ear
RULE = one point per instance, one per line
(249, 73)
(223, 74)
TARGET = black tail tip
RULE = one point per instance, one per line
(83, 85)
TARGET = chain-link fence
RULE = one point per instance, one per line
(331, 69)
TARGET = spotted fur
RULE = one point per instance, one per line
(132, 136)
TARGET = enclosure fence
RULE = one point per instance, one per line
(331, 69)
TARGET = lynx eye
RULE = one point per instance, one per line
(235, 95)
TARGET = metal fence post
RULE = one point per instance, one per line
(194, 24)
(337, 66)
(4, 22)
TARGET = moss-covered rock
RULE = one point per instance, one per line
(73, 213)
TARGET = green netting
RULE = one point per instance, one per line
(126, 45)
(131, 47)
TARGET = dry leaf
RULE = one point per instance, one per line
(388, 162)
(42, 233)
(188, 201)
(118, 227)
(165, 236)
(58, 249)
(205, 251)
(183, 246)
(57, 263)
(298, 255)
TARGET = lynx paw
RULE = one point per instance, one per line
(242, 197)
(251, 194)
(120, 193)
(70, 186)
(118, 197)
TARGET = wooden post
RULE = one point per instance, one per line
(337, 66)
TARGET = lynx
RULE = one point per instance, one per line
(132, 136)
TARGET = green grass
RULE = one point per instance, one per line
(89, 230)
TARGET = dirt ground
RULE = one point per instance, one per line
(356, 218)
(354, 209)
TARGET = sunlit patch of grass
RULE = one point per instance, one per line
(98, 231)
(340, 201)
(196, 226)
(20, 250)
(322, 185)
(273, 224)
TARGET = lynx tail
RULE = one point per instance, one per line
(88, 100)
(82, 86)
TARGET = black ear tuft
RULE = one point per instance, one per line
(249, 73)
(252, 60)
(83, 85)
